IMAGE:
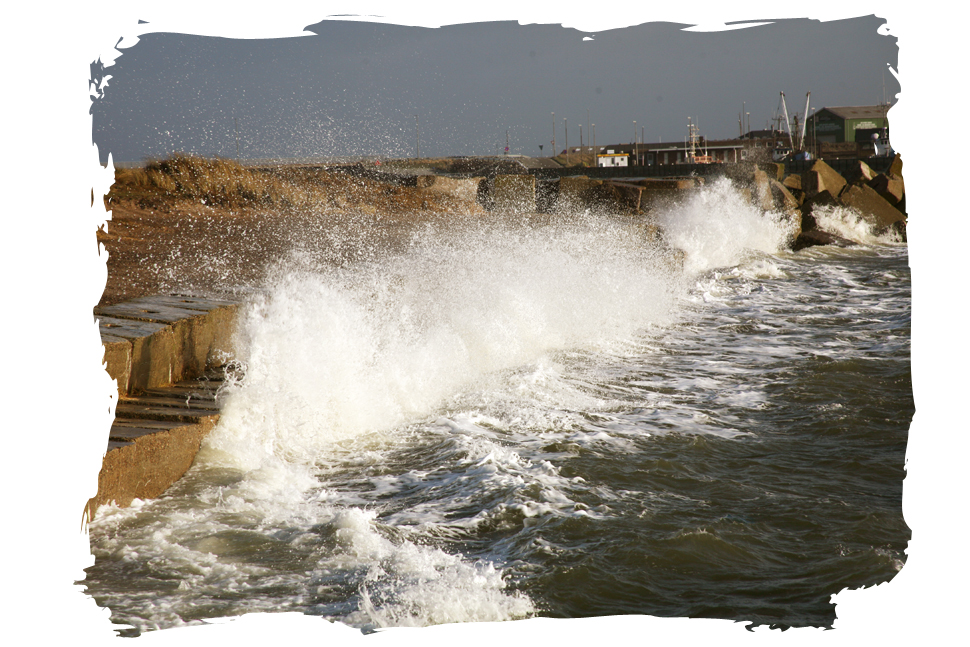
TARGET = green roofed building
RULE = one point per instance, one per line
(848, 124)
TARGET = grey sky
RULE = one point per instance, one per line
(354, 88)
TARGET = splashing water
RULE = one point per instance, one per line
(849, 224)
(400, 444)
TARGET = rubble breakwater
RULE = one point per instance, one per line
(799, 190)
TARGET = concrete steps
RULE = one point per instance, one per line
(154, 439)
(168, 355)
(158, 341)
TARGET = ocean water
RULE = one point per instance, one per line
(557, 419)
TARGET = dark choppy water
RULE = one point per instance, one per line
(550, 422)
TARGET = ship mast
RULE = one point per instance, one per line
(692, 139)
(801, 139)
(784, 108)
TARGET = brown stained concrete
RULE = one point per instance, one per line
(155, 344)
(513, 193)
(157, 341)
(154, 440)
(165, 353)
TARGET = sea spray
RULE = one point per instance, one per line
(335, 353)
(484, 425)
(717, 226)
(851, 225)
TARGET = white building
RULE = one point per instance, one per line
(612, 159)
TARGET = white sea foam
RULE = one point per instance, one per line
(331, 355)
(465, 336)
(849, 224)
(718, 226)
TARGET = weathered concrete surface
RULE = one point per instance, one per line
(872, 206)
(782, 199)
(462, 188)
(773, 170)
(146, 455)
(164, 351)
(117, 359)
(513, 193)
(168, 339)
(761, 190)
(658, 193)
(891, 188)
(629, 195)
(822, 177)
(793, 182)
(896, 167)
(858, 173)
(786, 205)
(150, 357)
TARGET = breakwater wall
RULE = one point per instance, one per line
(168, 355)
(877, 164)
(798, 190)
(872, 187)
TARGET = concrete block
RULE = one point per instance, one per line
(761, 190)
(155, 352)
(822, 177)
(660, 193)
(896, 167)
(144, 465)
(876, 210)
(773, 170)
(859, 173)
(462, 188)
(513, 193)
(820, 199)
(890, 187)
(785, 204)
(628, 195)
(781, 198)
(793, 181)
(172, 338)
(117, 359)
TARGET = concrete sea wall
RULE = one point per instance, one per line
(167, 354)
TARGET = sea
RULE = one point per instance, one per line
(567, 418)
